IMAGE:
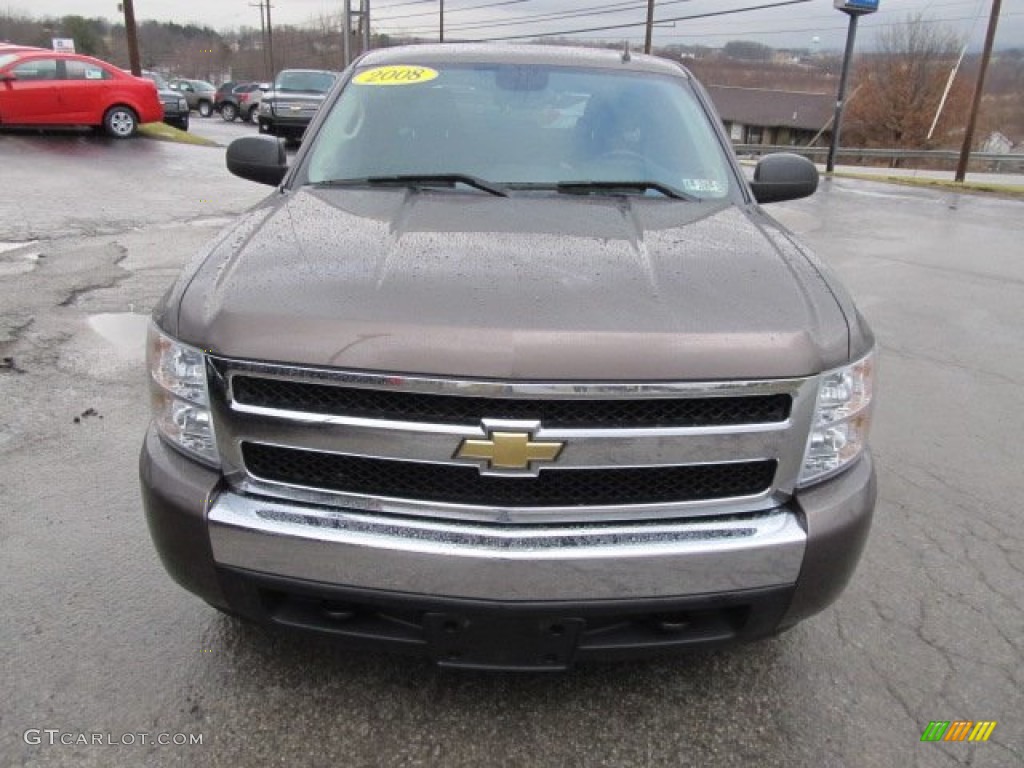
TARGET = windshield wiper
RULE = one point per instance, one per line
(587, 187)
(415, 180)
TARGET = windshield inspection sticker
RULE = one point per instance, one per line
(399, 74)
(702, 186)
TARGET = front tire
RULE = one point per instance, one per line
(251, 117)
(229, 112)
(121, 122)
(205, 109)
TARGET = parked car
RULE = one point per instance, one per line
(199, 94)
(223, 93)
(513, 370)
(47, 88)
(293, 100)
(176, 111)
(244, 101)
(249, 102)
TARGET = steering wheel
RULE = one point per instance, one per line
(622, 156)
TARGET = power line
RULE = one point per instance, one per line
(451, 10)
(610, 8)
(609, 27)
(599, 10)
(868, 26)
(400, 5)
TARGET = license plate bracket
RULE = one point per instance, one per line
(502, 642)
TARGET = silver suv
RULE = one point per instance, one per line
(200, 95)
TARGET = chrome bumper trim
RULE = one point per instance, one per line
(485, 562)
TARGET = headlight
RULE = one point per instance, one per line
(183, 105)
(842, 417)
(265, 108)
(180, 398)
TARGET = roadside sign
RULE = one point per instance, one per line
(856, 6)
(64, 44)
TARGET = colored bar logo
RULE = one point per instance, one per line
(958, 730)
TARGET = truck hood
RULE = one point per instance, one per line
(530, 287)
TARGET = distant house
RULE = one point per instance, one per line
(766, 116)
(997, 143)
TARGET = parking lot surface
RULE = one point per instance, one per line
(98, 640)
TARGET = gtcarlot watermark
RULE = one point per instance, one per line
(54, 737)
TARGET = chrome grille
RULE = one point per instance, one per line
(452, 409)
(450, 484)
(390, 444)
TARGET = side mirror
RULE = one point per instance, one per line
(784, 176)
(258, 158)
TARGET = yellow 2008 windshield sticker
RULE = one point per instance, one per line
(399, 74)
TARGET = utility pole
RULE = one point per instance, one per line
(366, 24)
(270, 40)
(650, 26)
(440, 36)
(990, 37)
(263, 37)
(133, 38)
(346, 33)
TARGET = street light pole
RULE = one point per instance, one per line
(854, 9)
(837, 119)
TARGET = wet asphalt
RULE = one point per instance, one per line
(96, 639)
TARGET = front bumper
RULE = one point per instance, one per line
(176, 118)
(432, 586)
(286, 127)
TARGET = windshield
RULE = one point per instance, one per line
(533, 126)
(158, 79)
(319, 82)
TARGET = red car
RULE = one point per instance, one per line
(46, 88)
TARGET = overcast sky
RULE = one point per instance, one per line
(812, 24)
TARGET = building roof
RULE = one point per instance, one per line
(773, 109)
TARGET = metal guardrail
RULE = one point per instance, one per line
(943, 155)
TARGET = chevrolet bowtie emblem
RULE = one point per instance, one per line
(509, 450)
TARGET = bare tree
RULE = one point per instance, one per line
(899, 88)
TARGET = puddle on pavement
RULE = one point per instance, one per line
(4, 247)
(20, 264)
(126, 331)
(11, 268)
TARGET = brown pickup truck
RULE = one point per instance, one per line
(511, 369)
